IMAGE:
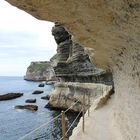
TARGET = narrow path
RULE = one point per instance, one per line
(99, 126)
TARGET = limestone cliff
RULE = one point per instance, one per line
(74, 64)
(111, 29)
(40, 71)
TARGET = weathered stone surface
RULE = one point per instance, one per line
(66, 94)
(30, 101)
(10, 96)
(40, 71)
(29, 107)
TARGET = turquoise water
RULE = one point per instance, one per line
(15, 123)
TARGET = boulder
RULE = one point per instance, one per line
(51, 107)
(47, 97)
(30, 101)
(10, 96)
(51, 82)
(29, 107)
(37, 92)
(41, 85)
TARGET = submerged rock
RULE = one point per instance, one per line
(29, 107)
(47, 97)
(38, 92)
(30, 101)
(10, 96)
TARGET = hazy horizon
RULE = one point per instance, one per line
(23, 39)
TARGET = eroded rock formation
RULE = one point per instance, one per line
(74, 64)
(112, 29)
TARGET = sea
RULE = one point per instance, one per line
(17, 124)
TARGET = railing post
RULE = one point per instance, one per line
(63, 125)
(88, 104)
(83, 111)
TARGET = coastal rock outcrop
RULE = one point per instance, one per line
(10, 96)
(40, 71)
(66, 94)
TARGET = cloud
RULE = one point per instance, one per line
(22, 39)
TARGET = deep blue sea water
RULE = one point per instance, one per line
(15, 123)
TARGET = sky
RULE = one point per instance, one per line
(22, 39)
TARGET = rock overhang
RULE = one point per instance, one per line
(107, 27)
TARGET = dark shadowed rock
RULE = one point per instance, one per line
(29, 107)
(30, 101)
(10, 96)
(37, 92)
(47, 97)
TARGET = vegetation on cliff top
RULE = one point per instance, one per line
(54, 57)
(39, 66)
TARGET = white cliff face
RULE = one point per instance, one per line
(112, 29)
